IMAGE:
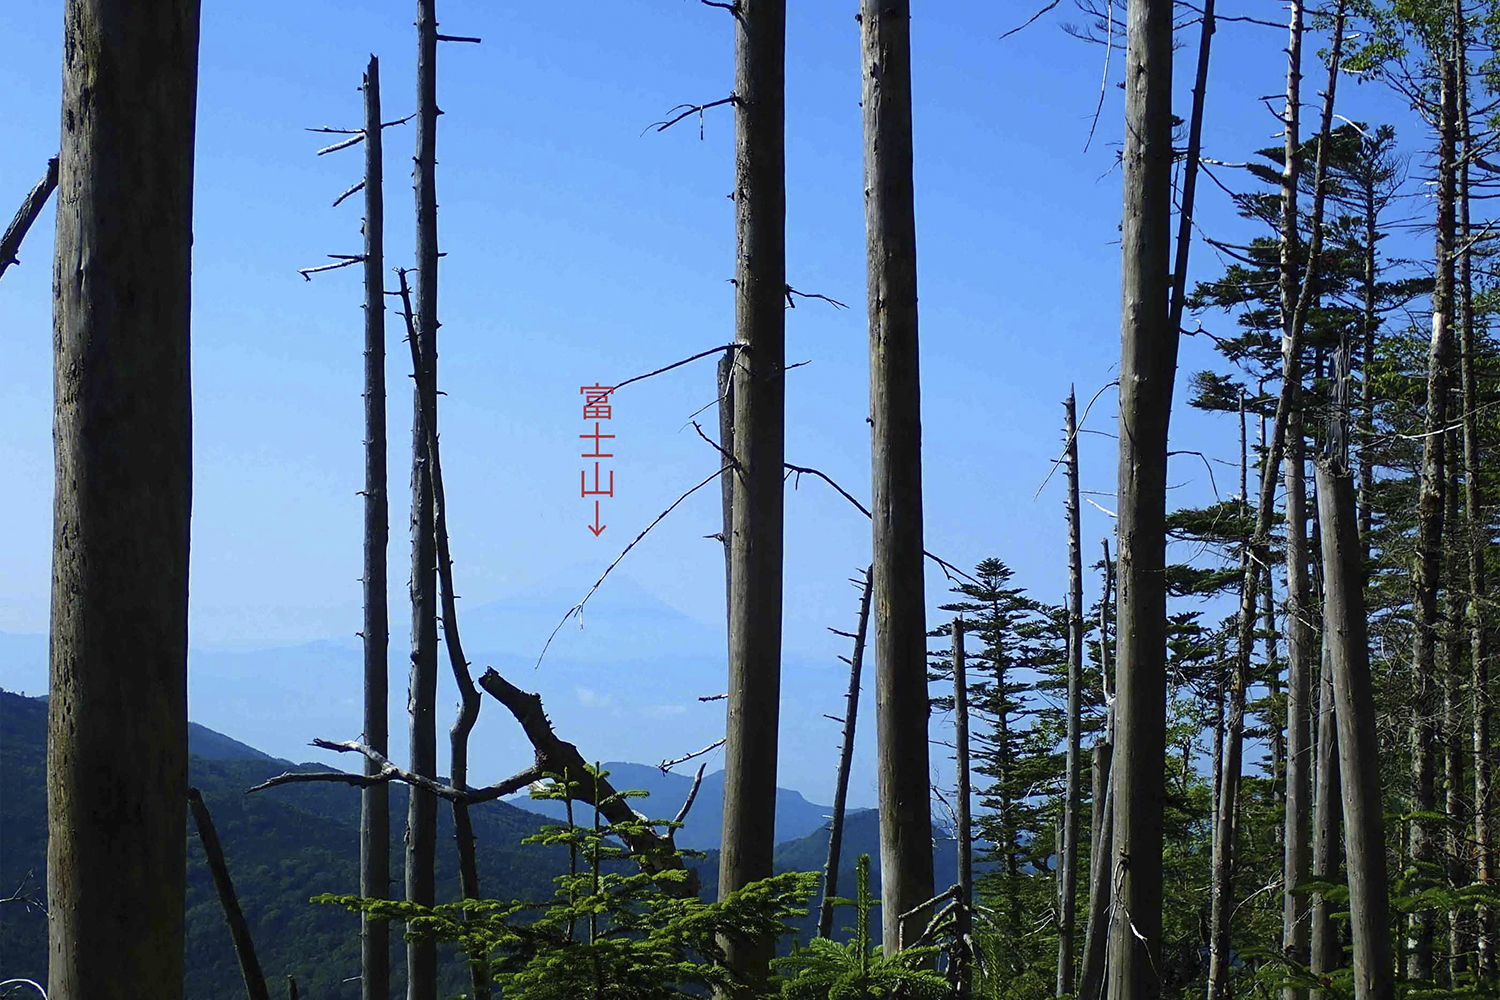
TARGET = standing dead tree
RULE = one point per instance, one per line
(896, 460)
(375, 818)
(31, 207)
(1427, 568)
(1091, 981)
(960, 959)
(1283, 426)
(1148, 360)
(1359, 749)
(117, 757)
(1068, 861)
(421, 820)
(846, 756)
(468, 705)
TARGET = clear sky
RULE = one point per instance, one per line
(579, 251)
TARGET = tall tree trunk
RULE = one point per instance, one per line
(1299, 637)
(122, 432)
(1455, 841)
(1359, 748)
(896, 458)
(846, 755)
(1326, 951)
(374, 802)
(759, 451)
(1476, 541)
(1427, 568)
(1369, 323)
(1282, 427)
(725, 382)
(1091, 981)
(421, 819)
(1207, 26)
(1067, 910)
(1299, 753)
(963, 931)
(1148, 362)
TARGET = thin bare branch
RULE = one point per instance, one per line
(30, 208)
(667, 765)
(343, 260)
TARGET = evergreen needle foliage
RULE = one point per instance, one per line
(609, 932)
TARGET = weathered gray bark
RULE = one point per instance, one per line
(468, 704)
(239, 928)
(30, 208)
(846, 756)
(375, 818)
(1283, 426)
(1326, 951)
(1455, 841)
(896, 459)
(1091, 980)
(1478, 625)
(759, 450)
(1207, 26)
(725, 382)
(1300, 614)
(1427, 566)
(959, 971)
(122, 434)
(421, 696)
(1359, 749)
(1148, 362)
(1068, 858)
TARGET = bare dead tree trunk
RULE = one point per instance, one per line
(896, 456)
(469, 701)
(1428, 566)
(122, 434)
(1359, 748)
(962, 928)
(375, 818)
(421, 819)
(1091, 981)
(1296, 854)
(1148, 361)
(1326, 952)
(759, 451)
(19, 226)
(1207, 26)
(725, 382)
(1455, 842)
(1068, 861)
(1282, 427)
(1369, 324)
(1476, 540)
(846, 755)
(239, 928)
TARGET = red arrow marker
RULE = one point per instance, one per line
(596, 527)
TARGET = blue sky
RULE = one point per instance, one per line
(581, 251)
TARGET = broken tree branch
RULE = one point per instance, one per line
(689, 109)
(343, 260)
(554, 755)
(239, 928)
(667, 765)
(30, 208)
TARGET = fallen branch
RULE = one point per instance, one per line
(390, 772)
(239, 929)
(654, 852)
(30, 208)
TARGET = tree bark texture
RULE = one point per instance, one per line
(759, 451)
(1068, 861)
(1359, 749)
(122, 433)
(374, 817)
(896, 459)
